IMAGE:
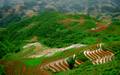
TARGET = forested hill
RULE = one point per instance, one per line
(55, 29)
(9, 19)
(106, 10)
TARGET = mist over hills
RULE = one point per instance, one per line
(106, 10)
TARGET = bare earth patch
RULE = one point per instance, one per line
(100, 27)
(81, 20)
(81, 23)
(33, 39)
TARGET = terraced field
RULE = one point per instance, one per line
(18, 67)
(60, 65)
(99, 56)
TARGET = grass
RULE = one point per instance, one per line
(35, 61)
(56, 54)
(19, 55)
(38, 61)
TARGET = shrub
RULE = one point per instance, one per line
(17, 50)
(71, 62)
(82, 57)
(104, 48)
(116, 22)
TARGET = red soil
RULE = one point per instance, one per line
(98, 39)
(81, 18)
(23, 70)
(93, 47)
(90, 49)
(69, 20)
(100, 27)
(12, 70)
(66, 21)
(73, 52)
(28, 71)
(31, 24)
(18, 69)
(33, 39)
(7, 70)
(81, 23)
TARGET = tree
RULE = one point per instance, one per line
(71, 62)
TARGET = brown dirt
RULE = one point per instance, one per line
(33, 39)
(90, 48)
(100, 27)
(10, 10)
(6, 70)
(73, 52)
(98, 39)
(39, 70)
(48, 60)
(59, 2)
(93, 47)
(69, 20)
(81, 18)
(32, 72)
(23, 70)
(28, 72)
(31, 24)
(18, 69)
(66, 21)
(12, 70)
(81, 23)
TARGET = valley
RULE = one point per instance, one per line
(57, 43)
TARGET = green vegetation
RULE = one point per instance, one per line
(82, 57)
(59, 34)
(52, 32)
(6, 8)
(104, 48)
(9, 19)
(115, 47)
(35, 61)
(28, 5)
(71, 62)
(2, 72)
(57, 53)
(111, 68)
(5, 47)
(1, 15)
(110, 9)
(116, 22)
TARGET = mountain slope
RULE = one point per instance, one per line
(101, 9)
(58, 31)
(43, 26)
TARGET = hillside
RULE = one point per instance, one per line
(105, 10)
(57, 43)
